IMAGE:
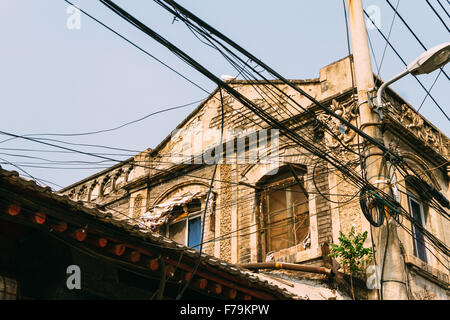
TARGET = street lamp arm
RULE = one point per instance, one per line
(384, 85)
(427, 62)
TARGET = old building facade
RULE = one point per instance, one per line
(271, 199)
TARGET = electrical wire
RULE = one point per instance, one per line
(157, 37)
(270, 70)
(19, 168)
(389, 35)
(404, 62)
(429, 90)
(221, 36)
(136, 46)
(249, 104)
(180, 294)
(103, 157)
(384, 260)
(117, 127)
(271, 119)
(251, 197)
(116, 9)
(65, 152)
(413, 33)
(428, 249)
(323, 194)
(443, 8)
(207, 36)
(438, 15)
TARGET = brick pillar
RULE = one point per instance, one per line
(323, 209)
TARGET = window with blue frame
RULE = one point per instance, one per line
(194, 232)
(187, 227)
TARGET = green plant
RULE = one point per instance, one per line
(352, 253)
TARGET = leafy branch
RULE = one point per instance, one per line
(352, 253)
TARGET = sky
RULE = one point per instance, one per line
(60, 80)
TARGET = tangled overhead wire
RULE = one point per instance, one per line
(372, 206)
(323, 195)
(375, 201)
(375, 206)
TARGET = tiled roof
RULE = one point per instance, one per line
(131, 228)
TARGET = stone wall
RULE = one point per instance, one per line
(225, 212)
(323, 211)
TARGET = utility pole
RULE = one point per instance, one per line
(393, 284)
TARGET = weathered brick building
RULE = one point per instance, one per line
(273, 200)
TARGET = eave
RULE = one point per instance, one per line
(127, 246)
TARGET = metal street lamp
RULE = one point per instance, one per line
(427, 62)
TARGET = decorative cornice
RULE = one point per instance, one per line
(415, 126)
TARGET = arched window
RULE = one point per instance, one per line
(178, 213)
(285, 209)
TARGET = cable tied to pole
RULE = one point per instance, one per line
(375, 207)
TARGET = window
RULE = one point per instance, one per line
(186, 231)
(186, 228)
(194, 231)
(417, 213)
(285, 206)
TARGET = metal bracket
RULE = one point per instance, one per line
(380, 181)
(372, 104)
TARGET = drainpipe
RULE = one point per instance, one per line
(286, 266)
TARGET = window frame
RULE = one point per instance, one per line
(184, 218)
(411, 197)
(283, 182)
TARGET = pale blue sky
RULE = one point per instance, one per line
(56, 80)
